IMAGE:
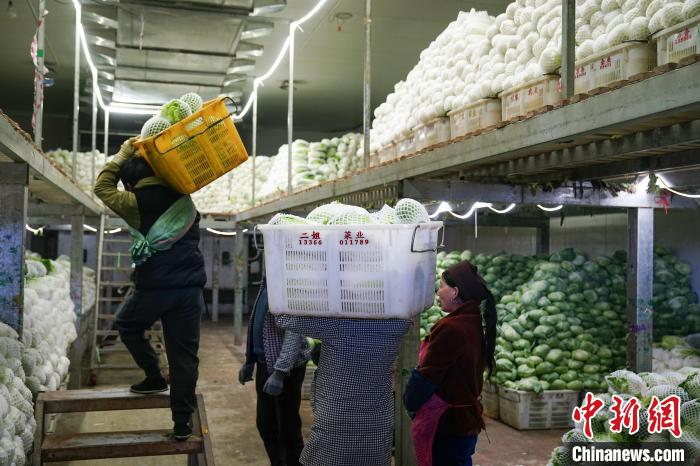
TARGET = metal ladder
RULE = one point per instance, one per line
(75, 446)
(114, 288)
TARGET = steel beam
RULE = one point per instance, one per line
(240, 243)
(542, 244)
(229, 11)
(215, 272)
(76, 294)
(407, 359)
(640, 283)
(367, 82)
(13, 218)
(568, 47)
(445, 190)
(76, 96)
(560, 163)
(143, 69)
(39, 72)
(290, 109)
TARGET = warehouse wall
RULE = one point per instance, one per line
(490, 240)
(604, 234)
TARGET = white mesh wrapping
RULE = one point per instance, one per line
(411, 211)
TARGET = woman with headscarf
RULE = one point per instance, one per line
(443, 394)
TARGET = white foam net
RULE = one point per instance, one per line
(411, 211)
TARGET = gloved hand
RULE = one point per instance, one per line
(246, 373)
(693, 341)
(127, 149)
(275, 383)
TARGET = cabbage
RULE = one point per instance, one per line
(411, 211)
(288, 219)
(691, 9)
(175, 110)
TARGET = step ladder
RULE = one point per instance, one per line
(114, 288)
(76, 446)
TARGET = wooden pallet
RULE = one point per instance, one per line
(74, 446)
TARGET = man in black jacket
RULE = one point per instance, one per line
(168, 285)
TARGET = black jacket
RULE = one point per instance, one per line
(180, 266)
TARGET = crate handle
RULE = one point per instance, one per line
(194, 135)
(413, 241)
(255, 240)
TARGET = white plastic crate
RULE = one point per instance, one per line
(387, 153)
(613, 65)
(473, 117)
(433, 132)
(489, 400)
(530, 96)
(406, 146)
(677, 42)
(551, 409)
(359, 271)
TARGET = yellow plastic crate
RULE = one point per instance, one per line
(197, 150)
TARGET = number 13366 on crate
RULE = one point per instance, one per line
(362, 271)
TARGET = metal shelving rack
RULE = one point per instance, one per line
(30, 186)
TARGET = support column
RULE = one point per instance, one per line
(76, 97)
(640, 282)
(39, 77)
(407, 360)
(76, 295)
(568, 47)
(13, 218)
(290, 109)
(542, 245)
(238, 292)
(367, 82)
(215, 272)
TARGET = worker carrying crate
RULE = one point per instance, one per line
(169, 277)
(352, 280)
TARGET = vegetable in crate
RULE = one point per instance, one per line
(175, 110)
(153, 126)
(193, 100)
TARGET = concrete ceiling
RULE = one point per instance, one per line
(328, 61)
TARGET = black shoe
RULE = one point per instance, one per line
(182, 431)
(150, 385)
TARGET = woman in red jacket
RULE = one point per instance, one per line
(444, 392)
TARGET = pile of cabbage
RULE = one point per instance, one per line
(673, 353)
(685, 383)
(676, 308)
(83, 176)
(478, 56)
(232, 192)
(313, 163)
(38, 362)
(565, 327)
(406, 211)
(171, 113)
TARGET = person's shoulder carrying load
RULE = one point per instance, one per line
(190, 143)
(344, 261)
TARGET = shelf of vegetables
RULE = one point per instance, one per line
(46, 181)
(581, 131)
(38, 360)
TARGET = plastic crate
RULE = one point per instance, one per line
(406, 146)
(308, 380)
(613, 65)
(387, 153)
(677, 42)
(433, 132)
(358, 271)
(197, 150)
(527, 410)
(530, 96)
(473, 117)
(489, 400)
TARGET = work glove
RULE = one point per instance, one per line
(126, 151)
(693, 341)
(246, 373)
(275, 383)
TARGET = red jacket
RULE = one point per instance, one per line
(453, 362)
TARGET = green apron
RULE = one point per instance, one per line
(166, 231)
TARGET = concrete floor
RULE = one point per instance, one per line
(231, 415)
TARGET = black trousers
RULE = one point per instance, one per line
(278, 419)
(179, 311)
